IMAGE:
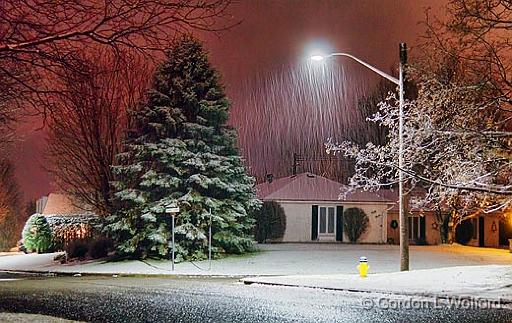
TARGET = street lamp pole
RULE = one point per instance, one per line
(404, 237)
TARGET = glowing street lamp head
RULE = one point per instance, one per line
(317, 58)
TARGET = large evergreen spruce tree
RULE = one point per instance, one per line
(182, 151)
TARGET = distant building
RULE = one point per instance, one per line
(68, 219)
(62, 204)
(314, 211)
(489, 230)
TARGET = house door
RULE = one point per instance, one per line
(505, 232)
(481, 231)
(417, 230)
(339, 223)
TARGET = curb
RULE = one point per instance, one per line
(49, 273)
(248, 281)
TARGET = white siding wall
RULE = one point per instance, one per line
(298, 221)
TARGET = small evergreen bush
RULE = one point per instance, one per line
(37, 234)
(464, 232)
(355, 223)
(270, 222)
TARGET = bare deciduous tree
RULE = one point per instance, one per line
(476, 34)
(9, 111)
(37, 36)
(469, 53)
(458, 132)
(11, 220)
(88, 121)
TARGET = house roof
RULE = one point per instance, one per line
(311, 187)
(61, 204)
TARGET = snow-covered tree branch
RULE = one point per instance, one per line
(453, 148)
(458, 129)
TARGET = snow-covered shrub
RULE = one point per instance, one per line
(355, 223)
(270, 222)
(37, 234)
(67, 228)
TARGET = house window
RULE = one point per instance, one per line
(414, 227)
(327, 220)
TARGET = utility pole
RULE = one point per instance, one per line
(403, 217)
(295, 163)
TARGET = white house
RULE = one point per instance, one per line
(489, 230)
(314, 210)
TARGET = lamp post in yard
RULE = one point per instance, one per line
(404, 237)
(172, 209)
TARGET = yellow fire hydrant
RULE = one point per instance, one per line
(363, 266)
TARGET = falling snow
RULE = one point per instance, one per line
(294, 110)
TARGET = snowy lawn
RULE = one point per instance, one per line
(281, 259)
(24, 262)
(492, 282)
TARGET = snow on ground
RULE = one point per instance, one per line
(491, 282)
(23, 262)
(282, 259)
(436, 270)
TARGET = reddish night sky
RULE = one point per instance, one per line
(272, 36)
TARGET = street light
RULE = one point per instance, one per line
(317, 57)
(404, 238)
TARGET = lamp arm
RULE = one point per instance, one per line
(376, 70)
